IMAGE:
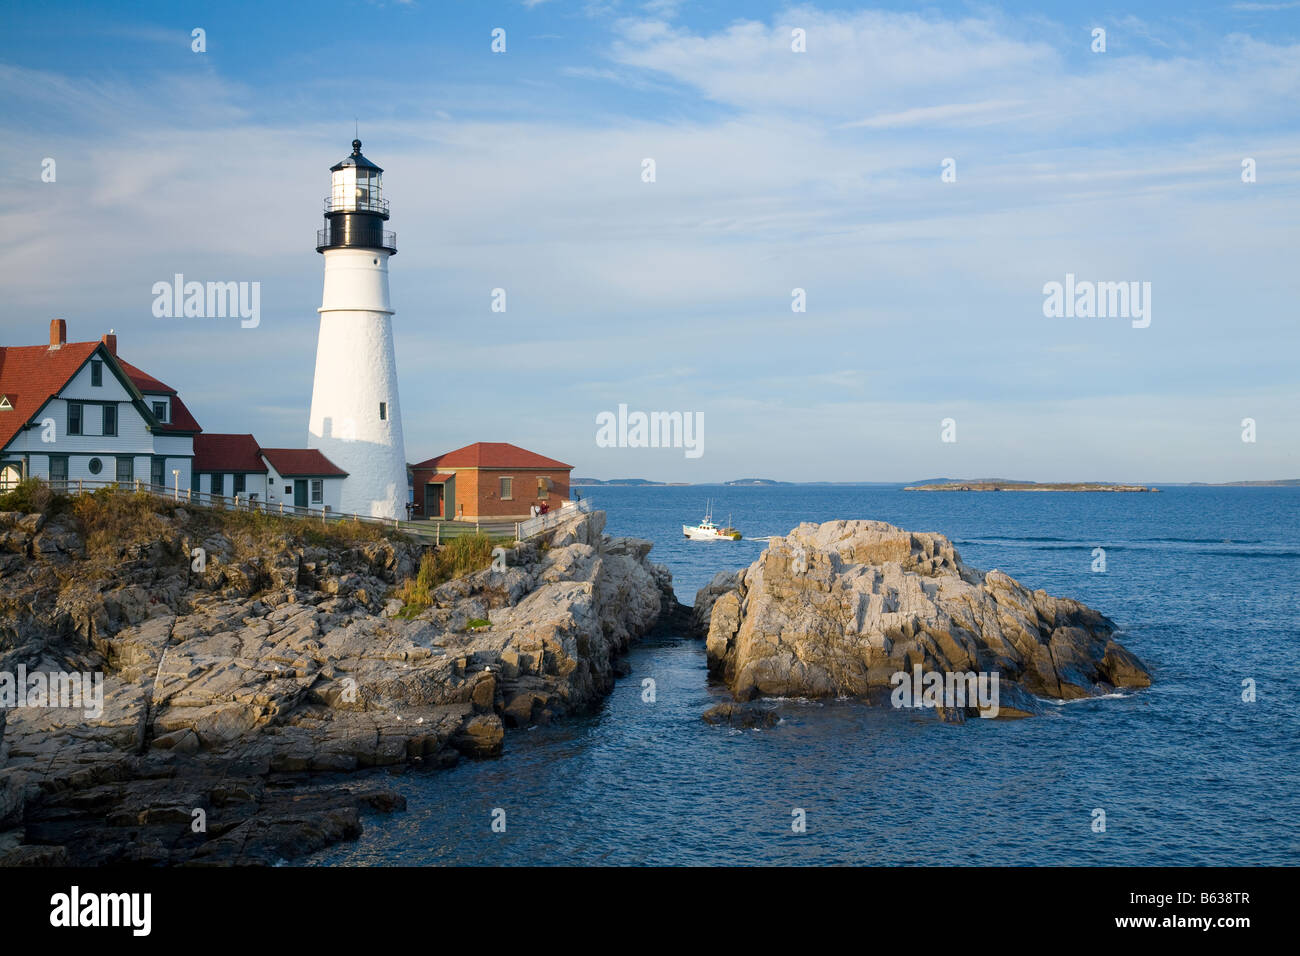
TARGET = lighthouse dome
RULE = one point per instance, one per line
(356, 159)
(355, 210)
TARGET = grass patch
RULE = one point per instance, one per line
(111, 518)
(311, 531)
(347, 532)
(456, 558)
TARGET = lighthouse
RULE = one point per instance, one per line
(356, 419)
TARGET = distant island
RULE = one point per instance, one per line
(764, 482)
(1002, 485)
(614, 481)
(1275, 483)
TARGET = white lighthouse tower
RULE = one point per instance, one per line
(356, 419)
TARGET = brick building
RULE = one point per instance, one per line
(488, 480)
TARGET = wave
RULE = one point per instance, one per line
(1010, 537)
(1079, 700)
(803, 700)
(1246, 550)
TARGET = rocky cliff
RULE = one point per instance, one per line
(238, 696)
(839, 609)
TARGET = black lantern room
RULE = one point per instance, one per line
(356, 211)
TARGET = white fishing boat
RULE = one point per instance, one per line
(706, 530)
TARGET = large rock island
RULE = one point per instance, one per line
(839, 609)
(240, 693)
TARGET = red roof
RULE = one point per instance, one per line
(441, 476)
(143, 380)
(494, 454)
(181, 419)
(30, 375)
(302, 463)
(227, 453)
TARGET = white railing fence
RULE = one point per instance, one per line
(535, 526)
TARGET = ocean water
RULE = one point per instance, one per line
(1203, 582)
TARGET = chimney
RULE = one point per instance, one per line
(110, 343)
(58, 333)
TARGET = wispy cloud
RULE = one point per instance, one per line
(949, 114)
(775, 170)
(1266, 6)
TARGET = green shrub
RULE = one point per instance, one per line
(30, 496)
(456, 558)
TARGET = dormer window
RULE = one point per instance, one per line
(160, 411)
(96, 373)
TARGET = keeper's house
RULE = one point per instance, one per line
(304, 478)
(229, 466)
(488, 480)
(75, 410)
(237, 466)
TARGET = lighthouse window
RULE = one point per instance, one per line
(383, 411)
(367, 189)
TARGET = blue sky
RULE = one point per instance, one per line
(774, 170)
